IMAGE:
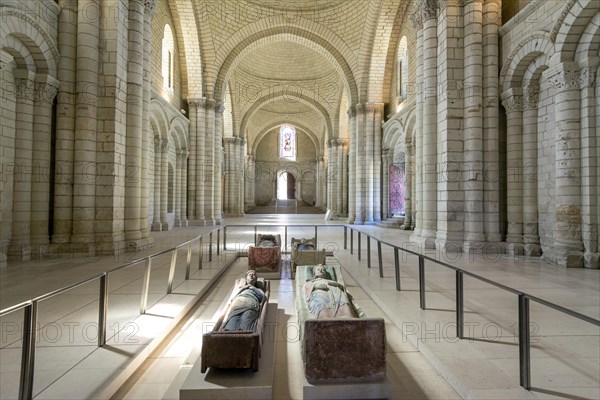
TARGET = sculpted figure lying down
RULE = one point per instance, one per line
(244, 310)
(327, 298)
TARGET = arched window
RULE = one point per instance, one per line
(287, 142)
(168, 54)
(402, 68)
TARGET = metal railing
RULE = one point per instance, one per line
(523, 303)
(30, 307)
(285, 226)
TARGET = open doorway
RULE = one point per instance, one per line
(286, 186)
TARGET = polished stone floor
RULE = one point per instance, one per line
(425, 359)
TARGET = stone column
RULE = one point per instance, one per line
(368, 171)
(218, 194)
(417, 19)
(149, 9)
(568, 246)
(330, 176)
(180, 219)
(590, 126)
(352, 159)
(184, 180)
(209, 162)
(250, 182)
(156, 223)
(241, 188)
(164, 183)
(386, 183)
(45, 91)
(531, 239)
(408, 188)
(193, 165)
(232, 179)
(7, 156)
(339, 144)
(430, 140)
(344, 194)
(20, 246)
(135, 113)
(473, 126)
(491, 179)
(513, 103)
(359, 170)
(376, 171)
(65, 122)
(85, 166)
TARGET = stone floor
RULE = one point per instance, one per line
(425, 359)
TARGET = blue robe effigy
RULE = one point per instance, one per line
(244, 309)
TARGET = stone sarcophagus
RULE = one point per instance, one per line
(236, 339)
(305, 252)
(339, 343)
(265, 255)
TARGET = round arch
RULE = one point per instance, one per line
(297, 35)
(577, 16)
(522, 56)
(283, 94)
(24, 29)
(301, 127)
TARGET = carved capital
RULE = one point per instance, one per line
(24, 89)
(5, 59)
(219, 107)
(429, 9)
(531, 96)
(587, 77)
(512, 100)
(160, 144)
(567, 77)
(351, 111)
(150, 7)
(417, 20)
(182, 155)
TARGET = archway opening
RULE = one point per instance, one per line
(286, 186)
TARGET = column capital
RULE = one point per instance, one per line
(417, 20)
(429, 9)
(531, 96)
(46, 87)
(150, 7)
(587, 77)
(182, 154)
(160, 144)
(218, 106)
(196, 103)
(565, 76)
(5, 59)
(512, 100)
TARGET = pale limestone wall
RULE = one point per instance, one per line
(549, 90)
(28, 82)
(268, 148)
(163, 16)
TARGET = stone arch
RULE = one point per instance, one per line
(188, 44)
(390, 134)
(381, 50)
(249, 38)
(24, 29)
(158, 119)
(577, 16)
(527, 51)
(281, 121)
(178, 130)
(589, 48)
(285, 95)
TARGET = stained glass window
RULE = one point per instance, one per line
(287, 142)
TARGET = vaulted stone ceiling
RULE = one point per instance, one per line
(289, 61)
